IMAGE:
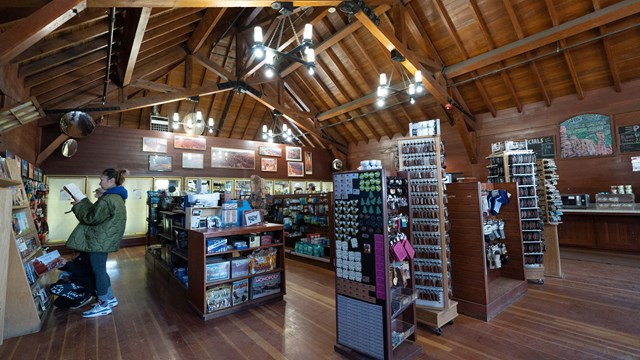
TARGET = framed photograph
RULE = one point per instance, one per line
(295, 169)
(586, 135)
(190, 143)
(160, 163)
(299, 187)
(24, 168)
(252, 217)
(192, 160)
(270, 151)
(308, 163)
(269, 164)
(233, 158)
(281, 187)
(268, 187)
(294, 153)
(150, 144)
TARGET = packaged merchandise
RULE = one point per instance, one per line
(218, 298)
(240, 291)
(264, 285)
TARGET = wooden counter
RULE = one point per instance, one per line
(606, 227)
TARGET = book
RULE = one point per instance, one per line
(20, 223)
(46, 262)
(74, 191)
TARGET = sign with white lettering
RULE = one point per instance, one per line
(543, 147)
(629, 138)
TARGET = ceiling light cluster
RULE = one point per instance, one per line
(303, 53)
(411, 89)
(192, 122)
(270, 133)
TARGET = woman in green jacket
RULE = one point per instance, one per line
(100, 232)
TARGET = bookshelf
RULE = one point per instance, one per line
(204, 284)
(30, 302)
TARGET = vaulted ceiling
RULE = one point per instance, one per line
(121, 63)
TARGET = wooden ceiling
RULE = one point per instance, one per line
(479, 55)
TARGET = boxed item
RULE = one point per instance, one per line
(264, 285)
(425, 128)
(218, 298)
(215, 245)
(217, 269)
(253, 240)
(263, 260)
(509, 145)
(240, 291)
(265, 240)
(239, 267)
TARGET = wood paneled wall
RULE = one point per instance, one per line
(22, 141)
(122, 148)
(578, 175)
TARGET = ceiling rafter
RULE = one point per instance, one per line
(135, 23)
(263, 121)
(60, 58)
(251, 116)
(154, 86)
(566, 54)
(590, 21)
(65, 68)
(453, 34)
(533, 66)
(36, 26)
(212, 66)
(205, 3)
(237, 116)
(10, 83)
(490, 43)
(209, 21)
(611, 62)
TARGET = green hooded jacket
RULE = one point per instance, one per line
(101, 224)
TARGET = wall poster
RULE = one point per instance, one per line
(586, 135)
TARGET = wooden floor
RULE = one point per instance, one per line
(593, 313)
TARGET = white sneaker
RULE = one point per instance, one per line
(97, 310)
(113, 302)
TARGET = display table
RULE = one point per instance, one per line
(602, 226)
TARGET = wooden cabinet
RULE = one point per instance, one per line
(482, 292)
(605, 230)
(198, 258)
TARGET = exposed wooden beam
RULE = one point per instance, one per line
(36, 26)
(468, 139)
(606, 43)
(567, 54)
(66, 68)
(44, 155)
(251, 117)
(209, 21)
(154, 86)
(597, 18)
(203, 3)
(53, 61)
(212, 66)
(135, 23)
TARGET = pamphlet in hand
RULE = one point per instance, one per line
(74, 191)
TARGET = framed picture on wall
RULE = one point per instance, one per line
(293, 153)
(295, 169)
(233, 158)
(150, 144)
(308, 163)
(160, 163)
(192, 160)
(586, 135)
(190, 143)
(270, 151)
(269, 164)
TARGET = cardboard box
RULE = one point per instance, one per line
(218, 270)
(265, 285)
(215, 245)
(253, 240)
(218, 298)
(239, 267)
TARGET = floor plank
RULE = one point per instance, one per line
(592, 313)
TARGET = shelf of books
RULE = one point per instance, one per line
(27, 275)
(235, 268)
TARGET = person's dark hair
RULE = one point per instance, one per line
(119, 175)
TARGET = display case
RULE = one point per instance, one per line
(375, 293)
(308, 222)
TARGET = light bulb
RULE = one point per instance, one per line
(270, 133)
(264, 136)
(199, 115)
(176, 117)
(269, 57)
(264, 129)
(175, 126)
(270, 140)
(257, 34)
(258, 52)
(306, 35)
(284, 127)
(382, 91)
(383, 79)
(210, 131)
(311, 70)
(268, 72)
(412, 89)
(289, 132)
(311, 55)
(412, 100)
(418, 76)
(380, 102)
(210, 122)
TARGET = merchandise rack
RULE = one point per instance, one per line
(423, 159)
(374, 318)
(519, 166)
(551, 206)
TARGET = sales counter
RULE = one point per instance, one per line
(602, 226)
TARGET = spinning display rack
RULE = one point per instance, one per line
(424, 161)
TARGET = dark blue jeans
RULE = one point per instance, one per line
(103, 282)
